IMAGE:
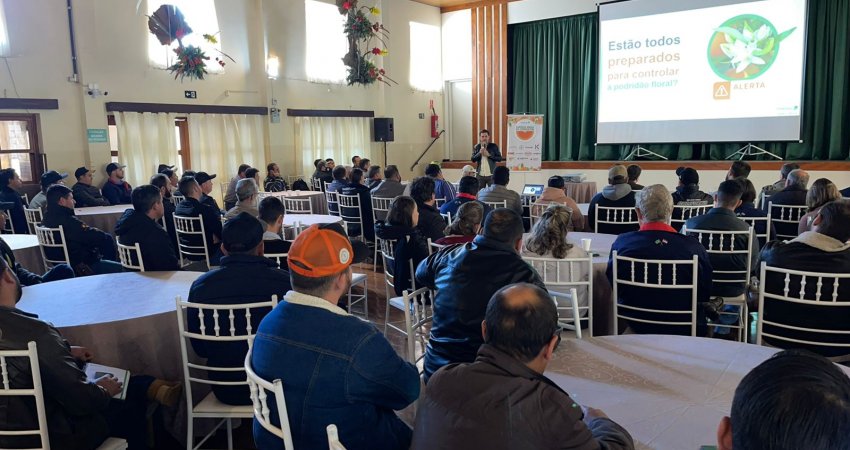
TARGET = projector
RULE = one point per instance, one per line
(574, 177)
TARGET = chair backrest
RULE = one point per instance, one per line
(131, 256)
(535, 211)
(297, 205)
(495, 205)
(333, 203)
(753, 222)
(52, 238)
(763, 199)
(380, 208)
(649, 273)
(223, 186)
(192, 229)
(8, 226)
(387, 247)
(279, 258)
(784, 219)
(25, 198)
(261, 390)
(434, 247)
(562, 278)
(415, 319)
(681, 214)
(333, 438)
(316, 183)
(6, 390)
(176, 199)
(447, 216)
(227, 327)
(528, 200)
(723, 243)
(350, 212)
(610, 215)
(34, 218)
(813, 290)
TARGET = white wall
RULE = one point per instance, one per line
(531, 10)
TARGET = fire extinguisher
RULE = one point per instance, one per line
(435, 121)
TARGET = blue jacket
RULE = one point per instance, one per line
(750, 210)
(443, 189)
(452, 206)
(668, 245)
(117, 194)
(362, 193)
(240, 279)
(336, 369)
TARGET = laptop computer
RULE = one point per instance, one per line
(532, 189)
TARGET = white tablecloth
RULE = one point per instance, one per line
(102, 217)
(669, 392)
(27, 253)
(309, 219)
(603, 304)
(317, 198)
(584, 208)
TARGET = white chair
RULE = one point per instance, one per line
(648, 273)
(380, 209)
(805, 296)
(723, 243)
(681, 214)
(333, 204)
(351, 213)
(52, 238)
(191, 229)
(438, 202)
(536, 210)
(434, 247)
(25, 198)
(615, 216)
(496, 205)
(447, 216)
(784, 219)
(563, 280)
(753, 222)
(416, 317)
(260, 390)
(316, 183)
(34, 218)
(9, 226)
(279, 258)
(333, 438)
(130, 253)
(762, 199)
(297, 205)
(359, 279)
(176, 199)
(224, 329)
(36, 391)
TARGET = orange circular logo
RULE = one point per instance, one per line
(524, 130)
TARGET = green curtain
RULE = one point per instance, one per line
(552, 71)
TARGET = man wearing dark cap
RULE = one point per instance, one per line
(27, 278)
(687, 192)
(85, 194)
(141, 225)
(339, 369)
(617, 194)
(191, 206)
(163, 167)
(47, 179)
(242, 245)
(115, 189)
(205, 182)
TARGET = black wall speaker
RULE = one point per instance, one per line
(384, 129)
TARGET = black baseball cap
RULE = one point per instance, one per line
(163, 167)
(689, 176)
(203, 177)
(242, 233)
(51, 177)
(111, 167)
(82, 171)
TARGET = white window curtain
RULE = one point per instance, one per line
(221, 142)
(145, 140)
(339, 138)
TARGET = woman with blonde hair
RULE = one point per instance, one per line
(820, 193)
(548, 239)
(465, 226)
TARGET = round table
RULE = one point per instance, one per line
(26, 251)
(103, 218)
(317, 198)
(669, 392)
(309, 219)
(581, 192)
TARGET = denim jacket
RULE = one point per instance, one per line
(336, 369)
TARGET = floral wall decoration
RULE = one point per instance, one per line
(366, 40)
(168, 25)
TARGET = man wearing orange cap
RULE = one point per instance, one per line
(337, 369)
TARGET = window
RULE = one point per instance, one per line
(425, 72)
(19, 146)
(181, 127)
(201, 17)
(326, 43)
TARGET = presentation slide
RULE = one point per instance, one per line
(700, 71)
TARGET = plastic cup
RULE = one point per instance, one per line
(585, 244)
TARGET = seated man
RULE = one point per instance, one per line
(141, 225)
(748, 209)
(738, 169)
(687, 192)
(340, 174)
(271, 215)
(373, 177)
(467, 192)
(794, 400)
(205, 182)
(162, 182)
(475, 405)
(191, 206)
(10, 183)
(48, 179)
(443, 190)
(91, 251)
(498, 191)
(431, 224)
(274, 182)
(246, 199)
(242, 244)
(795, 193)
(617, 194)
(391, 187)
(115, 189)
(657, 240)
(322, 173)
(787, 168)
(356, 187)
(230, 194)
(465, 277)
(81, 413)
(556, 192)
(348, 374)
(27, 278)
(825, 249)
(85, 194)
(634, 172)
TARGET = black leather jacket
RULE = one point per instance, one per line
(83, 241)
(465, 277)
(75, 408)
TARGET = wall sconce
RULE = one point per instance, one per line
(272, 67)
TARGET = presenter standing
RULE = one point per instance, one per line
(486, 154)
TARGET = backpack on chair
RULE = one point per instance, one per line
(300, 185)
